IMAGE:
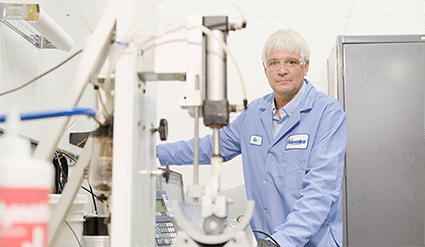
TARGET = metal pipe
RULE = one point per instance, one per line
(196, 140)
(196, 143)
(216, 142)
(196, 152)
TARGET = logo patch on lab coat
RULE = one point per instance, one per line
(256, 140)
(299, 141)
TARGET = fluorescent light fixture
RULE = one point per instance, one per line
(34, 25)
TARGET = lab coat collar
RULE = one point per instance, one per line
(266, 111)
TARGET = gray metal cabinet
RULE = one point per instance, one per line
(380, 81)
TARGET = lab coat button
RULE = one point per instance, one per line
(265, 211)
(269, 154)
(265, 182)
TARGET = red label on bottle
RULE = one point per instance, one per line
(24, 216)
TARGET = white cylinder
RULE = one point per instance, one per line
(53, 32)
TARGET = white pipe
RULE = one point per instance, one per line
(52, 31)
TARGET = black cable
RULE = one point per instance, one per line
(275, 242)
(75, 235)
(71, 156)
(92, 195)
(65, 179)
(97, 197)
(61, 174)
(45, 73)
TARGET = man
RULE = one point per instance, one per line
(292, 143)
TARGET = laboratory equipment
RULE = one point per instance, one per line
(379, 80)
(206, 223)
(130, 101)
(165, 226)
(169, 187)
(200, 60)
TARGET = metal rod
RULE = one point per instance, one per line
(196, 144)
(196, 148)
(216, 142)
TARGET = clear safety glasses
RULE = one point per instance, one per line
(293, 63)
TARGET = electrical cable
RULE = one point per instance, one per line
(240, 11)
(54, 113)
(38, 77)
(275, 242)
(71, 156)
(97, 197)
(92, 195)
(85, 139)
(101, 101)
(65, 179)
(75, 120)
(75, 235)
(61, 176)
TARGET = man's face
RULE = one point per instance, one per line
(286, 80)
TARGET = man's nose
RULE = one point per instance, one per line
(282, 69)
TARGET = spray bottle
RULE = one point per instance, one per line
(25, 184)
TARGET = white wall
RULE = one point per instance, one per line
(320, 22)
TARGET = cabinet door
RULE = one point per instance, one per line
(384, 102)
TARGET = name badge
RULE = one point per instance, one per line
(299, 141)
(256, 140)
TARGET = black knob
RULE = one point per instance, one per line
(162, 129)
(166, 174)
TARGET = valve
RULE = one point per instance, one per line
(162, 129)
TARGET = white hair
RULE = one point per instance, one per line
(286, 40)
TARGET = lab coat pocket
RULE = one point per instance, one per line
(291, 169)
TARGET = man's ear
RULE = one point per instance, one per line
(265, 69)
(307, 66)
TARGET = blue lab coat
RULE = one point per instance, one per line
(294, 179)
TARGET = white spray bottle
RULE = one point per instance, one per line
(25, 185)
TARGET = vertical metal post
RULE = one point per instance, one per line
(216, 142)
(196, 144)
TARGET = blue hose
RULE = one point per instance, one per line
(54, 113)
